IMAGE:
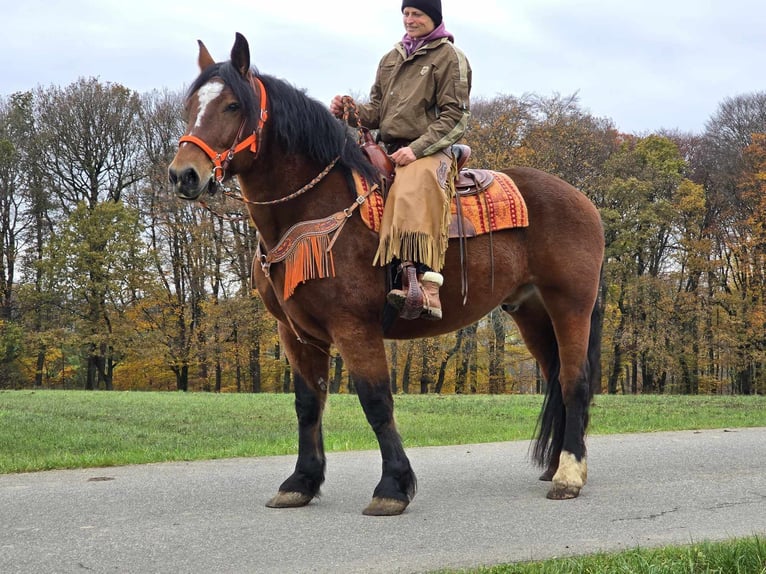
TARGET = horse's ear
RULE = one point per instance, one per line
(240, 55)
(205, 59)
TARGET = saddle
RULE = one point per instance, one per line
(467, 181)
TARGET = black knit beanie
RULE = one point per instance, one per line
(431, 7)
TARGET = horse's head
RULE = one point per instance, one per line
(226, 108)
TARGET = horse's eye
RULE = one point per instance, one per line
(232, 107)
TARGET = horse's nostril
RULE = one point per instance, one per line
(172, 176)
(190, 178)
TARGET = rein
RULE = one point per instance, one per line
(242, 199)
(310, 185)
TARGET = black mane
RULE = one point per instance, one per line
(299, 124)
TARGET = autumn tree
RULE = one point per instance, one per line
(87, 135)
(95, 264)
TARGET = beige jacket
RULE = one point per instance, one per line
(422, 100)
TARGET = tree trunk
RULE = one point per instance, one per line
(39, 365)
(445, 361)
(394, 359)
(286, 377)
(108, 373)
(91, 371)
(218, 376)
(634, 374)
(337, 374)
(255, 366)
(466, 367)
(182, 378)
(497, 353)
(407, 368)
(425, 366)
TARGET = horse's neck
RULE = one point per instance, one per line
(321, 200)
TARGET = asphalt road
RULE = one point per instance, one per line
(476, 505)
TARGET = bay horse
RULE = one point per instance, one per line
(293, 161)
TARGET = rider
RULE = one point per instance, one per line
(420, 104)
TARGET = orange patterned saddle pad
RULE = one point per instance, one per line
(499, 206)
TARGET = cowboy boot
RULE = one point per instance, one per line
(430, 281)
(409, 299)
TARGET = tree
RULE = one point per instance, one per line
(89, 132)
(95, 262)
(497, 352)
(570, 143)
(648, 210)
(86, 135)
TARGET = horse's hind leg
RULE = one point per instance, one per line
(310, 366)
(571, 316)
(536, 329)
(365, 357)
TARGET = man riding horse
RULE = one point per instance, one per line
(420, 104)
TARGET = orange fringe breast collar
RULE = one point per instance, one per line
(306, 248)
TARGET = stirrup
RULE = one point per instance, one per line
(409, 299)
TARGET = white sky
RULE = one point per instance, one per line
(647, 64)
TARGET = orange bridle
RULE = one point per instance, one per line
(221, 160)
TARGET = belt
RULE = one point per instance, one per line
(395, 145)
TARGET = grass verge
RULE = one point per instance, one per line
(41, 430)
(740, 556)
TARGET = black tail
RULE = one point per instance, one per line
(594, 343)
(550, 425)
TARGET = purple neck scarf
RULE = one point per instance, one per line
(412, 45)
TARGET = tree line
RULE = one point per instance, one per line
(109, 282)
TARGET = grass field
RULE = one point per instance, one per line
(742, 556)
(42, 430)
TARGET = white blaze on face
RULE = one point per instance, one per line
(205, 95)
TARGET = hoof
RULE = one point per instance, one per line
(289, 500)
(547, 476)
(569, 478)
(563, 492)
(385, 507)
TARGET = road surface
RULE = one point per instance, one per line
(476, 505)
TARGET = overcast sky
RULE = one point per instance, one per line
(647, 64)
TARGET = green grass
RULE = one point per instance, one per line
(741, 556)
(42, 430)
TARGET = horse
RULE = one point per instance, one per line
(294, 162)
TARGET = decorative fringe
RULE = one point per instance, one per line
(406, 246)
(311, 258)
(421, 235)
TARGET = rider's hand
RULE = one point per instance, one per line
(336, 106)
(403, 156)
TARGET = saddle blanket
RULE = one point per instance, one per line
(499, 206)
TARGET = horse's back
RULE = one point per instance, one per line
(563, 222)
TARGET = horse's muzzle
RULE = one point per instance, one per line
(187, 184)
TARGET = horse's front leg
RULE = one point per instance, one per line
(310, 366)
(369, 371)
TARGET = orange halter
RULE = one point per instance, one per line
(221, 160)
